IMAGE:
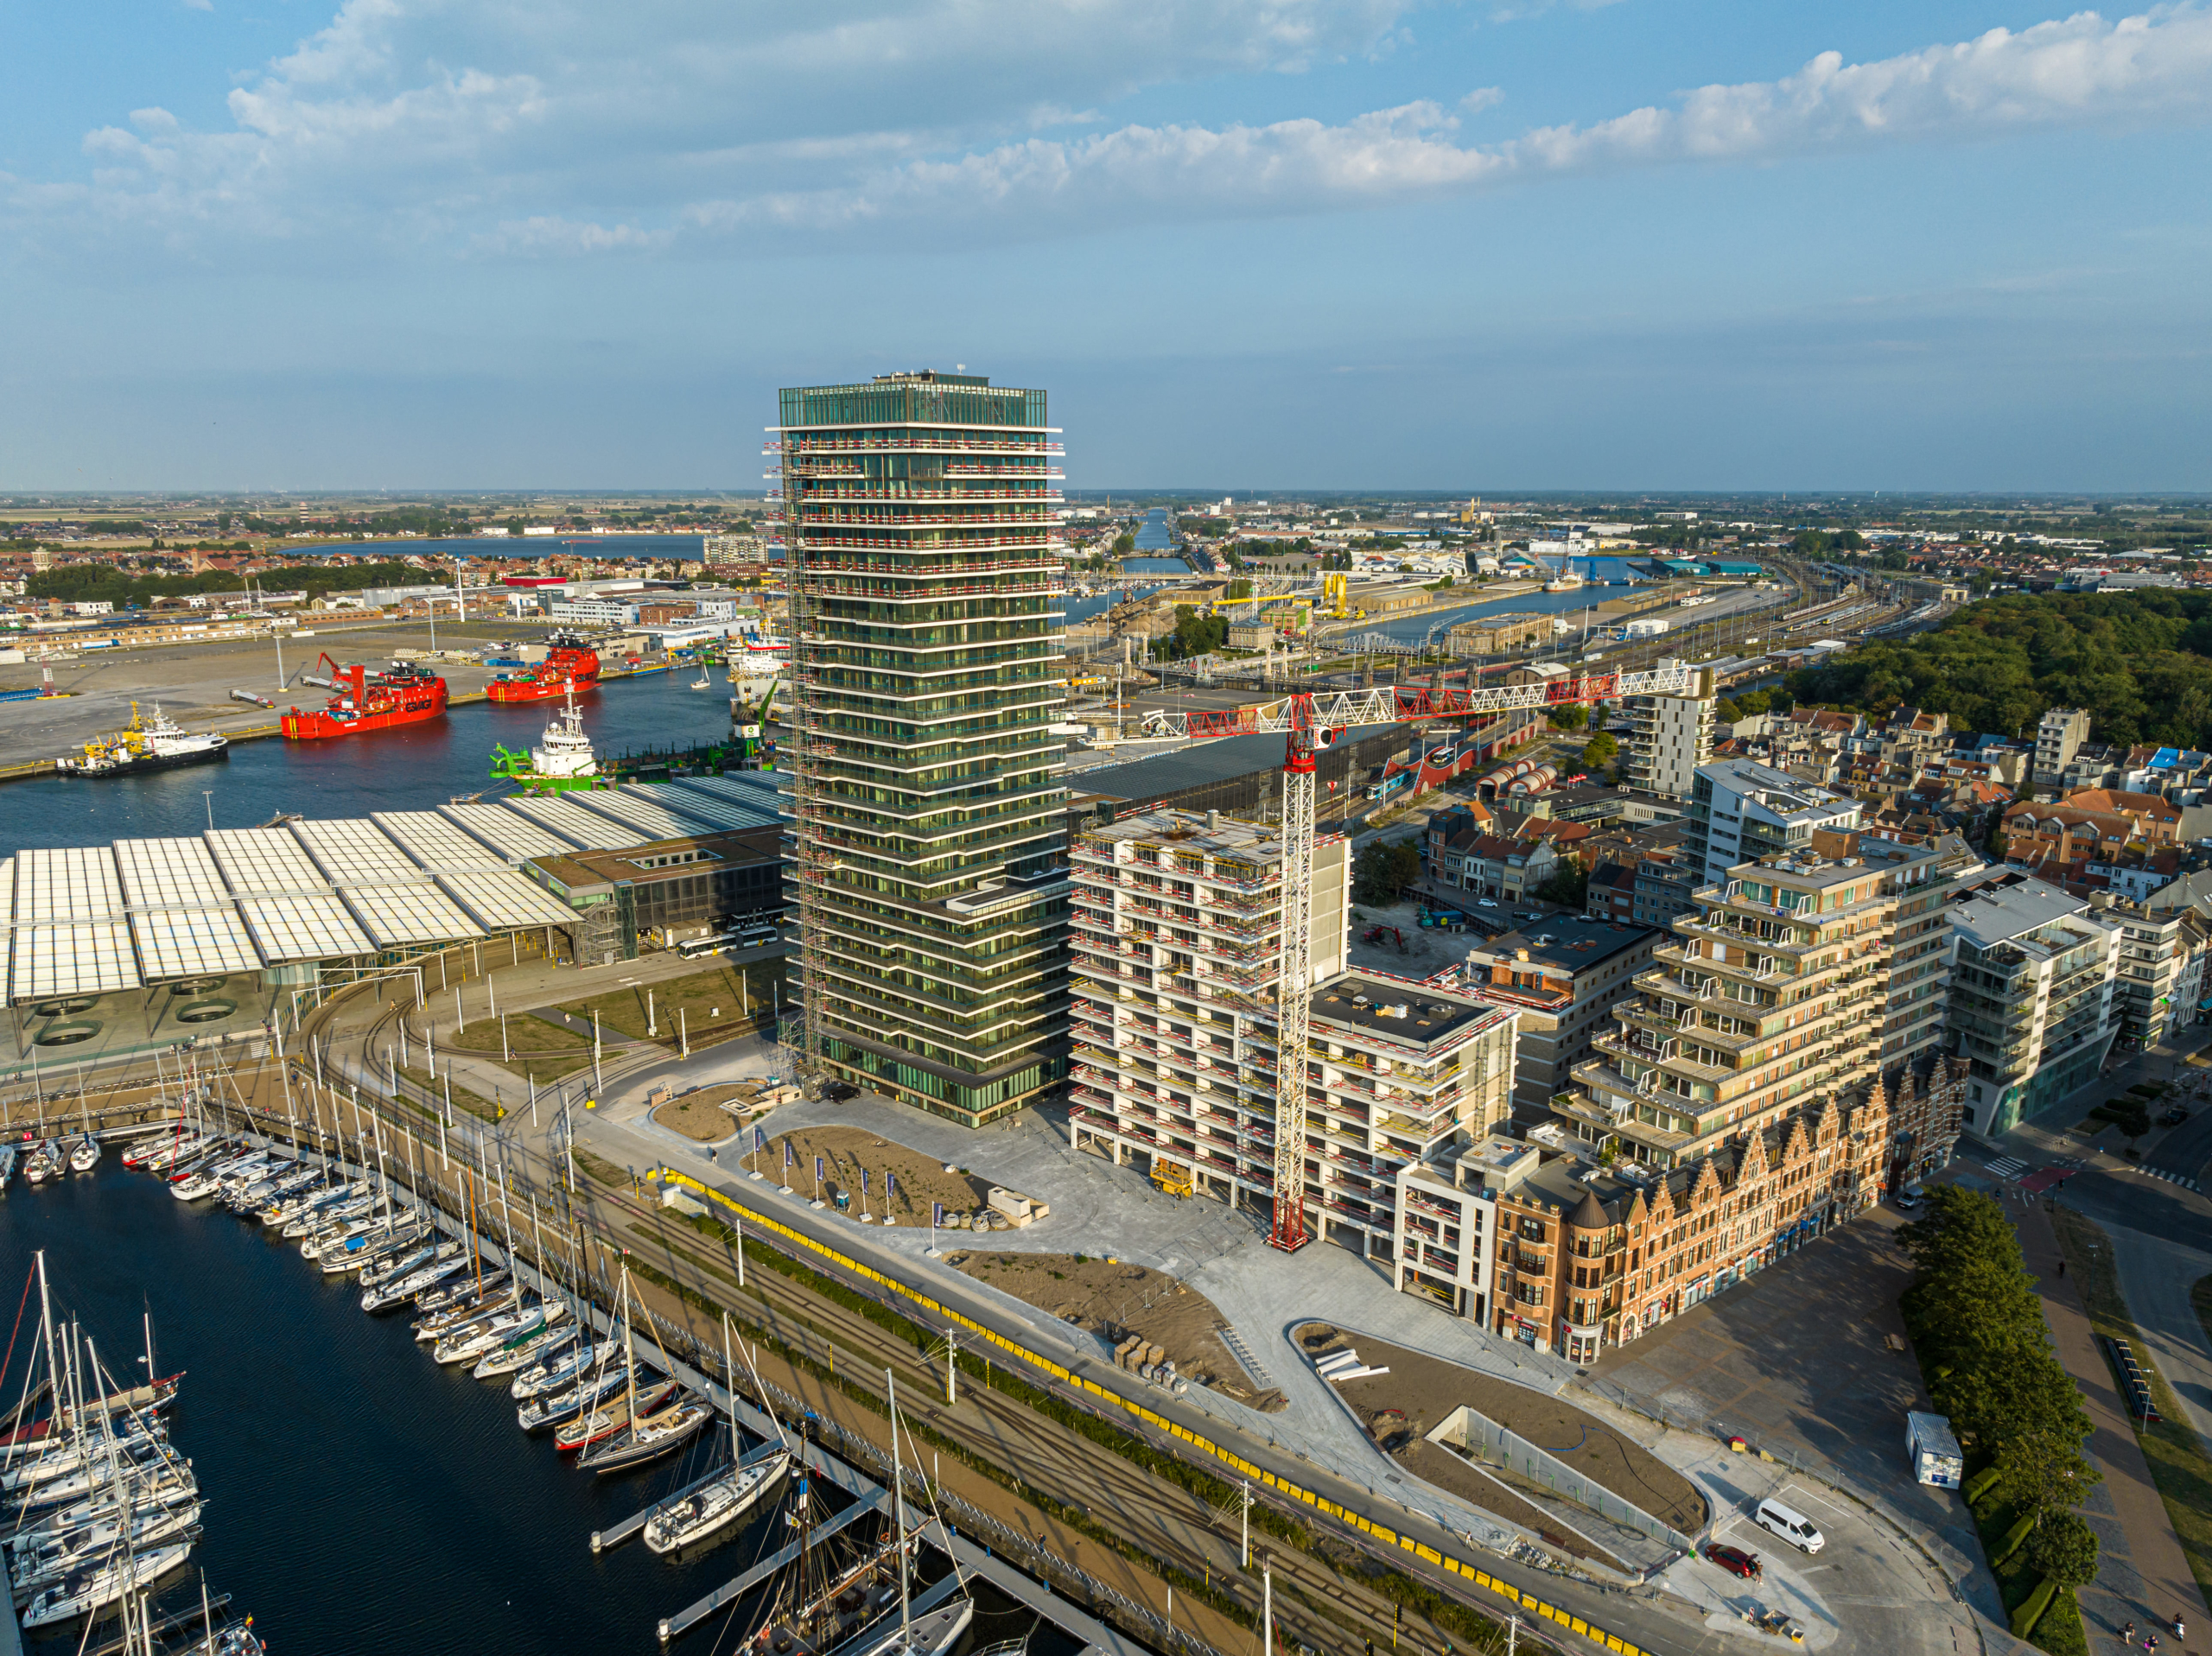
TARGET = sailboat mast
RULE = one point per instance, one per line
(899, 1512)
(730, 1378)
(630, 1352)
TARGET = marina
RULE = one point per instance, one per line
(470, 1509)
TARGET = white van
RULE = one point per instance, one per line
(1792, 1526)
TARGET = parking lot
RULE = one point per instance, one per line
(1798, 1361)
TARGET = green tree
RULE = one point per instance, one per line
(1568, 886)
(1570, 715)
(2065, 1549)
(1599, 751)
(1810, 543)
(1383, 869)
(1125, 544)
(1726, 711)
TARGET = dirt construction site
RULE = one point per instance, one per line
(1116, 1299)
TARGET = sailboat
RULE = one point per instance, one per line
(708, 1511)
(647, 1428)
(852, 1613)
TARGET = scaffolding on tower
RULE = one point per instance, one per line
(800, 1036)
(1294, 981)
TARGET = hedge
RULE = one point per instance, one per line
(2032, 1607)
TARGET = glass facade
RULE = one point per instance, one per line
(926, 646)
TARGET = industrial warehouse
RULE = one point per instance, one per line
(148, 945)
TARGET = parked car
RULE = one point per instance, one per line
(1735, 1560)
(1790, 1525)
(2174, 1117)
(838, 1091)
(1485, 903)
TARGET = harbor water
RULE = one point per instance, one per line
(415, 767)
(360, 1498)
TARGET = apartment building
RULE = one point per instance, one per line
(1741, 810)
(1777, 991)
(1669, 737)
(1176, 952)
(2031, 997)
(1564, 975)
(926, 670)
(2059, 736)
(1587, 1257)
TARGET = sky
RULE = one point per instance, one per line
(1478, 245)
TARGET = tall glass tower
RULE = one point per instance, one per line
(926, 642)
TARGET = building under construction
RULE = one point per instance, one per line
(1177, 952)
(925, 671)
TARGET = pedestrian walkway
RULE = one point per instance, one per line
(2142, 1575)
(2009, 1167)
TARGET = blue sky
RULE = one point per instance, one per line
(1497, 245)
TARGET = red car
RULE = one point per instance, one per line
(1735, 1561)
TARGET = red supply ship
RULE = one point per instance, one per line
(571, 663)
(399, 694)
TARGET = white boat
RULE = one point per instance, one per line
(133, 1461)
(554, 1372)
(392, 1264)
(472, 1341)
(173, 1486)
(706, 1512)
(39, 1164)
(702, 682)
(86, 1156)
(337, 1233)
(519, 1354)
(94, 1589)
(155, 744)
(64, 1458)
(61, 1556)
(543, 1410)
(394, 1289)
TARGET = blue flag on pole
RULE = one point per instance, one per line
(863, 1181)
(789, 1160)
(817, 1170)
(936, 1213)
(759, 1139)
(890, 1184)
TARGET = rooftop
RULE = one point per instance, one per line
(1206, 833)
(1398, 1009)
(1568, 943)
(2005, 905)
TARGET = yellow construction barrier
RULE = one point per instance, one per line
(1227, 1458)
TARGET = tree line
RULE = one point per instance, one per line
(1986, 1354)
(2140, 661)
(98, 582)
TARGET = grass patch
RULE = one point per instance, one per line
(474, 1103)
(713, 1004)
(2180, 1468)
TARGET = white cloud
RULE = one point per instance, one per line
(2152, 66)
(563, 128)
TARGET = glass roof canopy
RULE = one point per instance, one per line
(92, 920)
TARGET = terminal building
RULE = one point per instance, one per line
(146, 945)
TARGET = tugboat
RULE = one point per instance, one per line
(400, 694)
(155, 744)
(561, 764)
(570, 664)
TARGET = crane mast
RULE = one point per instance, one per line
(1294, 978)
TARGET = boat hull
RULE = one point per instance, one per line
(322, 726)
(137, 766)
(551, 688)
